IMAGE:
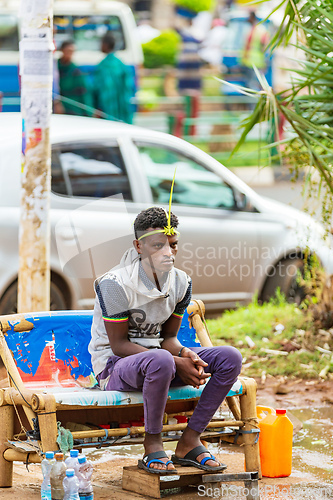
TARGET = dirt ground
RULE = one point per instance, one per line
(108, 470)
(291, 393)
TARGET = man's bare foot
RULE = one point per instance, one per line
(190, 440)
(152, 443)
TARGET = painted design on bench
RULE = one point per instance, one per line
(54, 356)
(187, 335)
(55, 351)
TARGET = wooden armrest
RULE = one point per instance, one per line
(17, 321)
(196, 307)
(11, 396)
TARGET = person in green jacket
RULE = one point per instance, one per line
(113, 85)
(73, 84)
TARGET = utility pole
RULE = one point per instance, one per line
(36, 70)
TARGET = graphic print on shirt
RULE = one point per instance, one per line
(135, 322)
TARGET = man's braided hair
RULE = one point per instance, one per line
(152, 217)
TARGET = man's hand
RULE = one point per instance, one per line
(191, 370)
(198, 362)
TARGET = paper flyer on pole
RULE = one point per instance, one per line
(36, 60)
(36, 106)
(35, 9)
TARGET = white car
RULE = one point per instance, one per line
(233, 242)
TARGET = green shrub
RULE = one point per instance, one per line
(195, 5)
(162, 50)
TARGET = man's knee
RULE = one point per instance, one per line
(231, 356)
(236, 358)
(162, 360)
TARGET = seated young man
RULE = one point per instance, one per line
(138, 311)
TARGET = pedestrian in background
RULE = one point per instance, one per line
(73, 84)
(114, 85)
(56, 98)
(213, 44)
(189, 62)
(256, 42)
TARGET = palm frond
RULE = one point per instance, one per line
(308, 102)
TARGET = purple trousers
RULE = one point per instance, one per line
(154, 371)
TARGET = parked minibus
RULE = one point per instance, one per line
(85, 22)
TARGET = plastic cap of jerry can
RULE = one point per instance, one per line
(181, 419)
(280, 411)
(135, 423)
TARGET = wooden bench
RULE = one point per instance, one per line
(46, 378)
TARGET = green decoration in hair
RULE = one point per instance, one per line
(168, 229)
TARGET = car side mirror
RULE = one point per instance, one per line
(241, 200)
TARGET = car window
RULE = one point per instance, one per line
(194, 184)
(9, 38)
(58, 180)
(92, 171)
(87, 31)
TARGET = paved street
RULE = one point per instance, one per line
(291, 194)
(286, 192)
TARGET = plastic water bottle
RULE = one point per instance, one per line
(57, 474)
(47, 463)
(71, 485)
(172, 421)
(84, 474)
(72, 461)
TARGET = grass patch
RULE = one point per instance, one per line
(210, 86)
(152, 83)
(262, 324)
(248, 154)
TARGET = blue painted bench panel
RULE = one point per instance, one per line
(53, 357)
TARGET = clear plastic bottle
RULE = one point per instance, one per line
(172, 421)
(58, 472)
(47, 463)
(71, 485)
(84, 474)
(72, 461)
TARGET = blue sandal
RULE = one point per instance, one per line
(190, 460)
(154, 458)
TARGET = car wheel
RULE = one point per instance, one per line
(8, 302)
(285, 276)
